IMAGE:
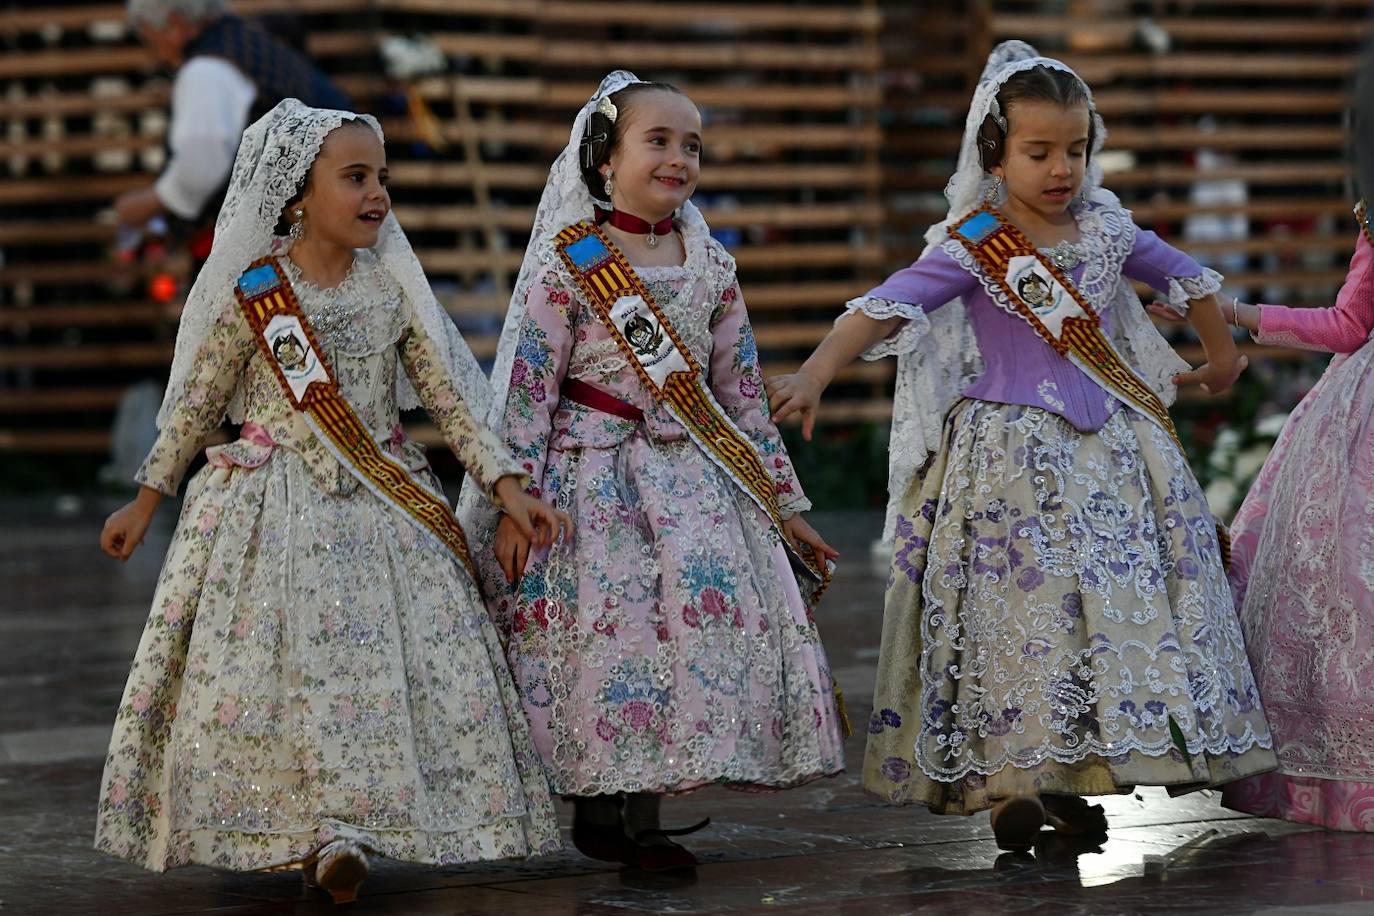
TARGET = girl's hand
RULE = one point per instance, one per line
(1162, 310)
(512, 549)
(126, 526)
(539, 522)
(798, 393)
(1215, 379)
(798, 531)
(526, 522)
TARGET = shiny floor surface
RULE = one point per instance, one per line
(69, 622)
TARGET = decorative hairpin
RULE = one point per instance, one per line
(606, 107)
(996, 111)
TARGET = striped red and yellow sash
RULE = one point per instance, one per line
(289, 345)
(605, 276)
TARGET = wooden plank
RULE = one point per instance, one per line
(835, 17)
(711, 55)
(418, 217)
(71, 18)
(66, 441)
(60, 400)
(838, 95)
(86, 356)
(1249, 31)
(74, 316)
(83, 104)
(1146, 101)
(74, 62)
(80, 145)
(1258, 67)
(54, 232)
(724, 140)
(68, 188)
(945, 141)
(716, 176)
(67, 274)
(747, 257)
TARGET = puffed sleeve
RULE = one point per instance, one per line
(909, 294)
(1154, 261)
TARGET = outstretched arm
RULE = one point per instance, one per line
(886, 321)
(800, 392)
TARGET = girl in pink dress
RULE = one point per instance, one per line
(1303, 568)
(666, 646)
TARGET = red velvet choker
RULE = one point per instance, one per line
(628, 222)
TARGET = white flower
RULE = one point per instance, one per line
(1271, 425)
(1221, 497)
(1249, 462)
(1224, 448)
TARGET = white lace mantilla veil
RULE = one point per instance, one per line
(565, 201)
(274, 156)
(932, 375)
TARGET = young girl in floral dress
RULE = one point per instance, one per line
(667, 646)
(318, 678)
(1057, 621)
(1302, 573)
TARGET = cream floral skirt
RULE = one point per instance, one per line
(314, 667)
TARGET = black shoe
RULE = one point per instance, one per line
(660, 857)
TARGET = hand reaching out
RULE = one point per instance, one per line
(797, 393)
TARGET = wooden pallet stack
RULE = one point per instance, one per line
(791, 177)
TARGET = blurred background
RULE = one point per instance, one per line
(831, 129)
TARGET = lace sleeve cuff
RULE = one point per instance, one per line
(1181, 289)
(915, 324)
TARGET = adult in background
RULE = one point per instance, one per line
(228, 73)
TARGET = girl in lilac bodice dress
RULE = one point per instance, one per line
(1303, 569)
(1057, 622)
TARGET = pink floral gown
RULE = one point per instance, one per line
(666, 646)
(1303, 573)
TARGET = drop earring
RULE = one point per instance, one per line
(993, 194)
(609, 186)
(298, 226)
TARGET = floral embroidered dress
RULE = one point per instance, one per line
(313, 666)
(1057, 597)
(1303, 573)
(666, 647)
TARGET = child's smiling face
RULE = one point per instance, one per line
(1045, 157)
(657, 162)
(345, 197)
